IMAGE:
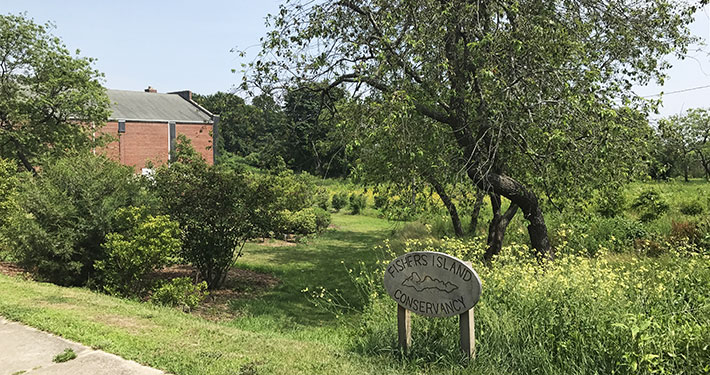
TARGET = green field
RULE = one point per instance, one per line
(620, 311)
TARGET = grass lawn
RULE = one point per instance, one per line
(280, 332)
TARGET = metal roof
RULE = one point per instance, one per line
(153, 106)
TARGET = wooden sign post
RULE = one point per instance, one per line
(437, 285)
(404, 327)
(467, 333)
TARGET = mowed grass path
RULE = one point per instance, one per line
(321, 262)
(280, 332)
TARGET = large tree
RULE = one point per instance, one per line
(533, 93)
(685, 141)
(49, 98)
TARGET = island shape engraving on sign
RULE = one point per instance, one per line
(432, 284)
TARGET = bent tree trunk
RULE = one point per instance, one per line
(450, 206)
(499, 223)
(526, 200)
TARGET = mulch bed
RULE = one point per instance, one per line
(11, 269)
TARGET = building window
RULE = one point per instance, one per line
(121, 126)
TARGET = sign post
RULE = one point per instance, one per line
(404, 328)
(467, 333)
(437, 285)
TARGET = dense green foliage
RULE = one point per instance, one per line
(528, 99)
(142, 244)
(358, 202)
(300, 134)
(219, 208)
(650, 205)
(9, 182)
(303, 222)
(60, 218)
(180, 292)
(339, 200)
(683, 145)
(50, 100)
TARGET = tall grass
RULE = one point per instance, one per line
(577, 315)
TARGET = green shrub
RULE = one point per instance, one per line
(322, 200)
(144, 243)
(650, 205)
(62, 216)
(218, 209)
(358, 202)
(322, 218)
(380, 201)
(691, 208)
(275, 193)
(180, 292)
(610, 203)
(339, 200)
(301, 222)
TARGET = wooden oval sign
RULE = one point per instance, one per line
(432, 284)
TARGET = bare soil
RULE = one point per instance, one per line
(12, 269)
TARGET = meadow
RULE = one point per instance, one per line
(622, 296)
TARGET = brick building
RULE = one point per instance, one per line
(146, 124)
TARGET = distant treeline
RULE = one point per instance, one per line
(301, 134)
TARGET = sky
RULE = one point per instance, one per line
(170, 45)
(185, 45)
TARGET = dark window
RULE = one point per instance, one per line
(121, 126)
(171, 137)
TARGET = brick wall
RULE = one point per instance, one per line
(146, 141)
(201, 137)
(111, 149)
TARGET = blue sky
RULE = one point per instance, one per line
(177, 45)
(170, 45)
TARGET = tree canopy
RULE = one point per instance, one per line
(537, 96)
(300, 133)
(47, 95)
(685, 142)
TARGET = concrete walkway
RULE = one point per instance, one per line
(25, 350)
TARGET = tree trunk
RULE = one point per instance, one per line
(476, 211)
(498, 225)
(450, 206)
(527, 201)
(23, 158)
(706, 165)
